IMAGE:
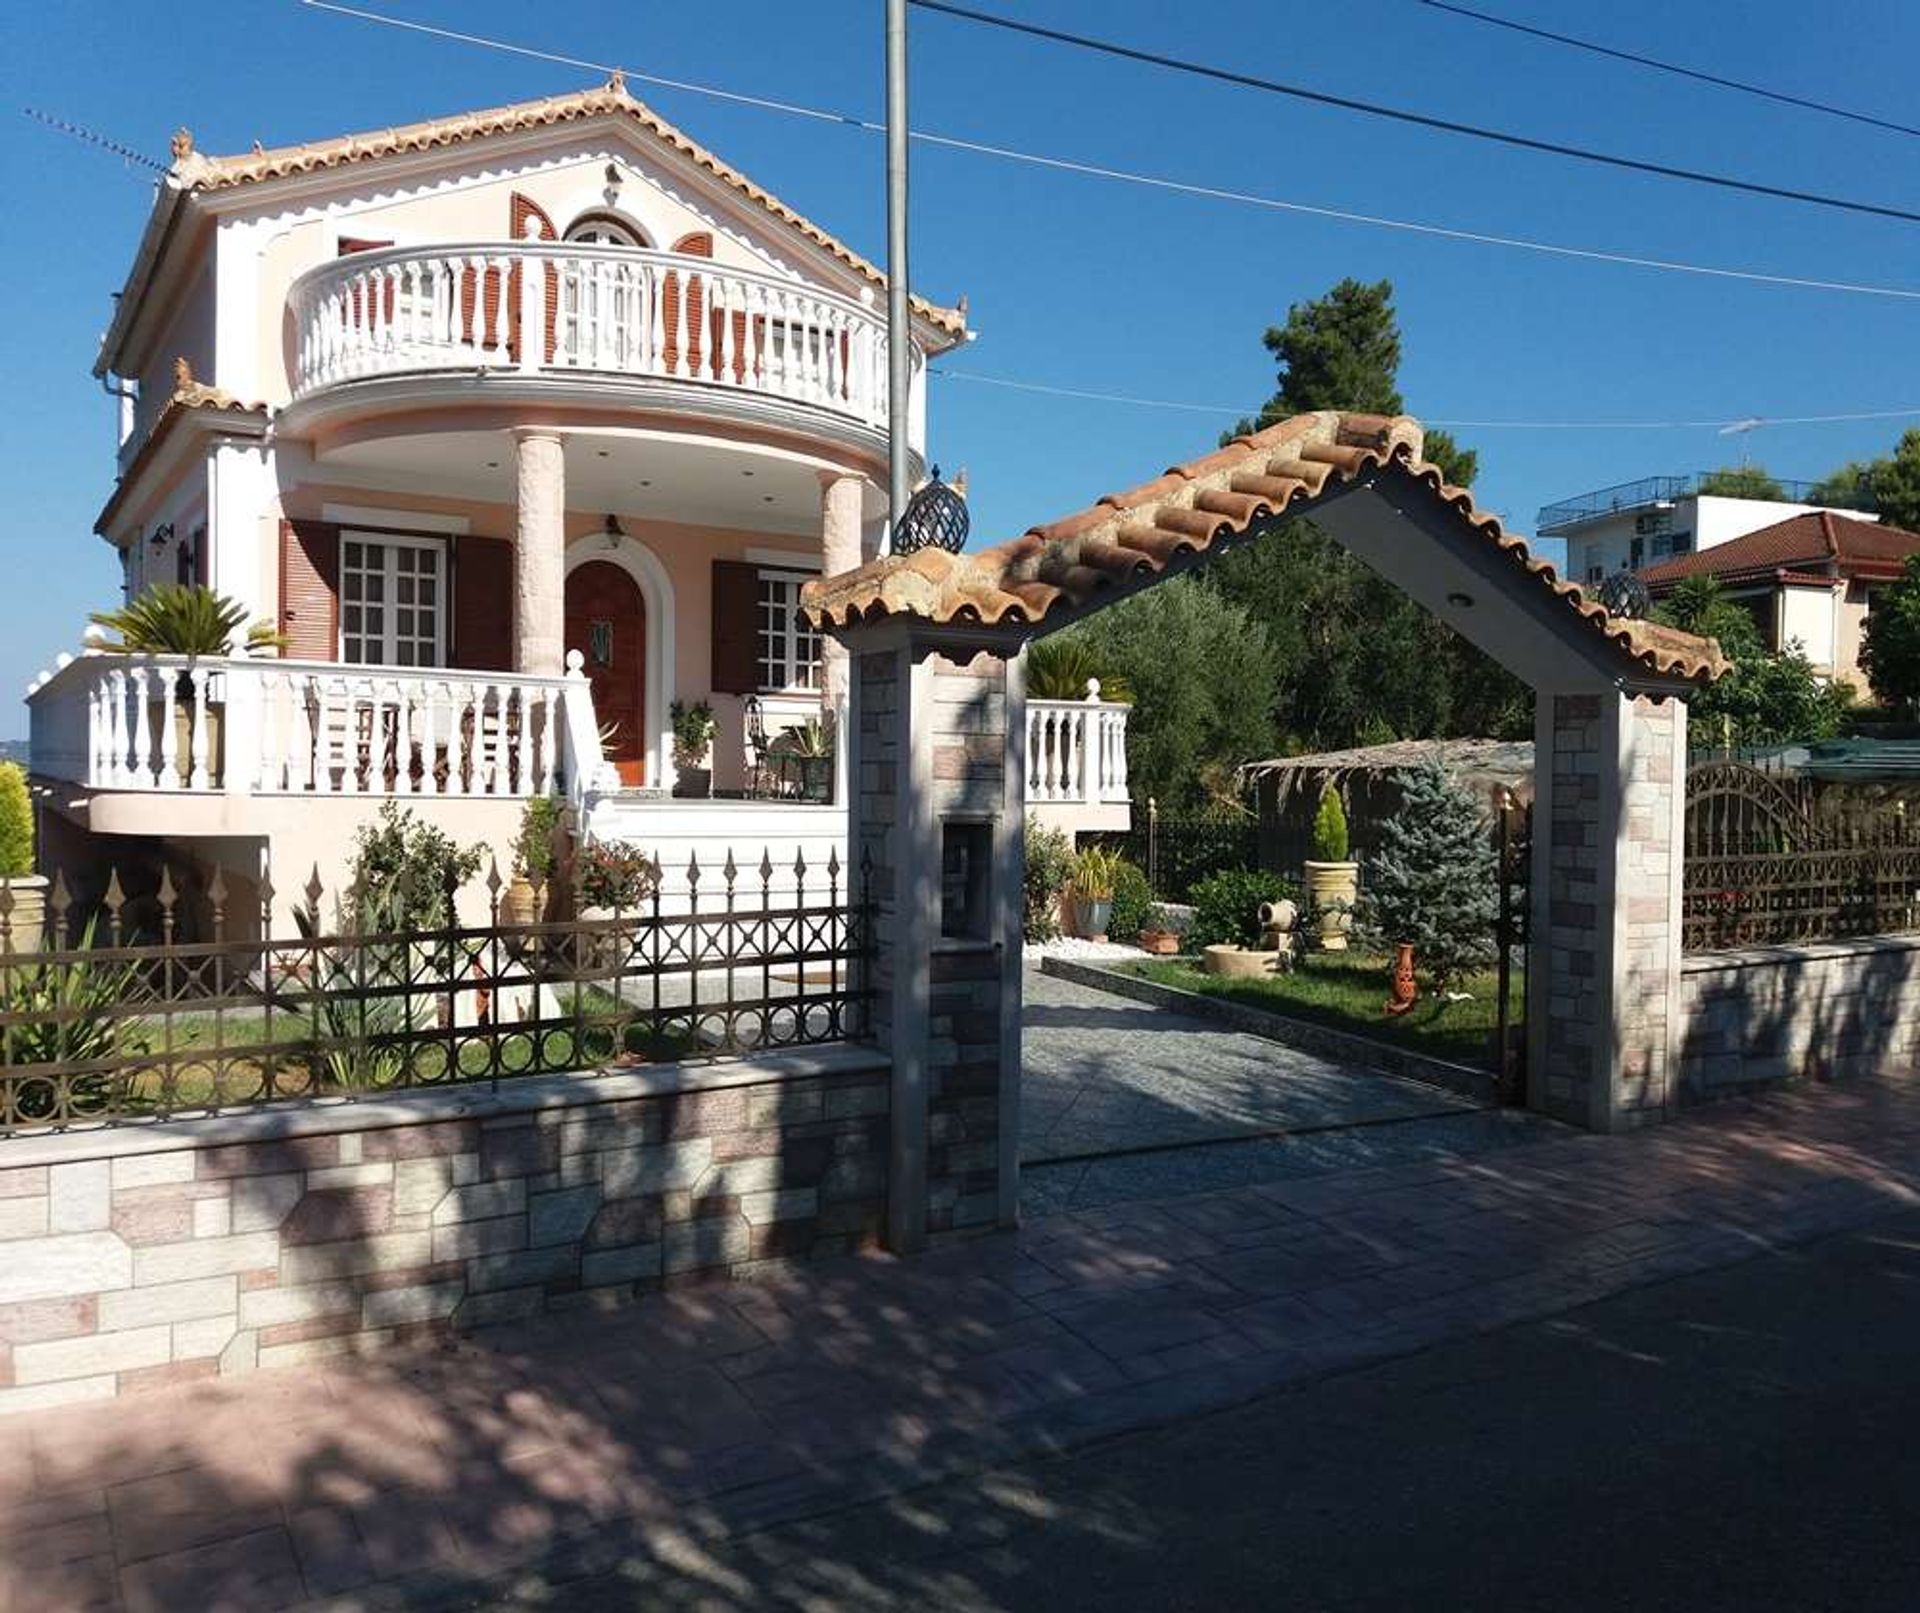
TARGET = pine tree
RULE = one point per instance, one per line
(1432, 880)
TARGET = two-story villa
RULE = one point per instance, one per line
(456, 406)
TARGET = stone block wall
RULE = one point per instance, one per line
(1647, 907)
(1825, 1012)
(1569, 817)
(146, 1256)
(1608, 826)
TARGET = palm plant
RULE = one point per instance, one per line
(180, 619)
(1058, 668)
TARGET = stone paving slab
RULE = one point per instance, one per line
(419, 1478)
(1102, 1073)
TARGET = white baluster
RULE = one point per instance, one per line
(462, 738)
(170, 732)
(199, 715)
(549, 740)
(143, 768)
(326, 714)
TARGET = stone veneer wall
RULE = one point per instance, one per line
(1609, 825)
(145, 1256)
(969, 736)
(1823, 1012)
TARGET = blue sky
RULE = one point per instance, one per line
(1077, 282)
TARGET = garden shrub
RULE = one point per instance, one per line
(1132, 899)
(533, 846)
(16, 823)
(1330, 840)
(1049, 866)
(400, 854)
(1226, 907)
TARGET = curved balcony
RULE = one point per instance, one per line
(602, 312)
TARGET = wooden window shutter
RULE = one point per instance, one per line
(736, 627)
(520, 210)
(482, 589)
(310, 589)
(697, 245)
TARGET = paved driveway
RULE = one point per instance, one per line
(1122, 1101)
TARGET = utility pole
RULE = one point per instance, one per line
(899, 349)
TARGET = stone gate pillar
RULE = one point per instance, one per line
(1603, 1015)
(937, 784)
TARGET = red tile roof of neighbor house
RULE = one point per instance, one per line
(201, 172)
(1797, 544)
(1193, 509)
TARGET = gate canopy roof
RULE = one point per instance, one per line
(1414, 529)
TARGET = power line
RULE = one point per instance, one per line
(1234, 409)
(1674, 68)
(90, 137)
(1130, 177)
(1555, 148)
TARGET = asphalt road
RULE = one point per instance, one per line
(1745, 1440)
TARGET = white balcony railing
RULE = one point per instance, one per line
(169, 724)
(597, 309)
(263, 727)
(1077, 750)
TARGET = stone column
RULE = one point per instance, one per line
(1604, 1017)
(936, 779)
(540, 553)
(840, 500)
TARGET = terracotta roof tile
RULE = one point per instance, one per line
(1819, 537)
(205, 173)
(189, 397)
(1209, 501)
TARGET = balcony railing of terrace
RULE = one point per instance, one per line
(608, 311)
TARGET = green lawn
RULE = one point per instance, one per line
(1346, 991)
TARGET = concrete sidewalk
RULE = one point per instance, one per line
(407, 1479)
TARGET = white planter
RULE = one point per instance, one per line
(26, 924)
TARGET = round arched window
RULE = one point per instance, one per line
(603, 229)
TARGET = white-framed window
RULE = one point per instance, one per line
(789, 648)
(393, 599)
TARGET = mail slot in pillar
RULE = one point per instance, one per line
(937, 791)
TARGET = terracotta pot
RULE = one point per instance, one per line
(693, 783)
(1334, 888)
(183, 740)
(1161, 943)
(1406, 990)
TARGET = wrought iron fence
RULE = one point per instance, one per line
(100, 1027)
(1178, 852)
(1774, 859)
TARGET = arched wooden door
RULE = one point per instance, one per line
(607, 624)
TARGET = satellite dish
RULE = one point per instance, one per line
(1624, 594)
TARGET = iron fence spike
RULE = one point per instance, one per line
(116, 897)
(59, 898)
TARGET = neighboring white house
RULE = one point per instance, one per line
(452, 405)
(1640, 524)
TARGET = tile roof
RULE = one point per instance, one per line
(1231, 494)
(1817, 538)
(204, 173)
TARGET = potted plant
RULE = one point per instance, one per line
(534, 857)
(809, 746)
(616, 879)
(1090, 891)
(1158, 935)
(1333, 881)
(187, 619)
(693, 727)
(25, 923)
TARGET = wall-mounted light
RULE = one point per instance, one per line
(162, 536)
(613, 532)
(612, 190)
